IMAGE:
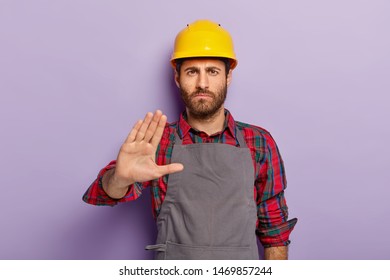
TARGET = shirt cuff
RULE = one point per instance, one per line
(95, 194)
(278, 235)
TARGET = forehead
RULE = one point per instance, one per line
(203, 62)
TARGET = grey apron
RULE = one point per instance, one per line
(209, 211)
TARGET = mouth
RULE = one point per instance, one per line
(202, 95)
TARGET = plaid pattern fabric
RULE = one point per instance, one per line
(273, 226)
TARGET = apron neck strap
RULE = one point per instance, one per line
(177, 138)
(240, 139)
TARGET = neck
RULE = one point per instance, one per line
(211, 125)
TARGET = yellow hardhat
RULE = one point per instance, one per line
(204, 38)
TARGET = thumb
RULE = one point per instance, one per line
(170, 168)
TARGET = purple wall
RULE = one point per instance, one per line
(76, 75)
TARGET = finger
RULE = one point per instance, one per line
(131, 137)
(159, 131)
(170, 168)
(153, 126)
(141, 132)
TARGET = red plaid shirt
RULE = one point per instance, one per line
(273, 226)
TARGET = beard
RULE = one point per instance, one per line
(204, 109)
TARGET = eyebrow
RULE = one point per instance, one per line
(197, 68)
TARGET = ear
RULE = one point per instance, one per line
(229, 77)
(177, 79)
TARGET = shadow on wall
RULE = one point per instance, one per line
(105, 233)
(261, 250)
(171, 96)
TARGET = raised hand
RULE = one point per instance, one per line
(136, 158)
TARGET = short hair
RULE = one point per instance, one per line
(226, 61)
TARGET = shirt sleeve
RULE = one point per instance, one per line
(96, 195)
(273, 227)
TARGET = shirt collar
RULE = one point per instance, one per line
(229, 125)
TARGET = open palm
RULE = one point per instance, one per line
(136, 159)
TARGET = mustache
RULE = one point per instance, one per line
(202, 91)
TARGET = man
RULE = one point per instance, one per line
(216, 183)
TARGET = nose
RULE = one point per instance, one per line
(203, 80)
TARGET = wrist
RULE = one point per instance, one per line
(115, 181)
(112, 186)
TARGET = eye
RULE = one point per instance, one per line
(191, 72)
(213, 72)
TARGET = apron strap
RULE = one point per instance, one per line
(177, 139)
(156, 247)
(240, 139)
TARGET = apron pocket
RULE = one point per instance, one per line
(175, 251)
